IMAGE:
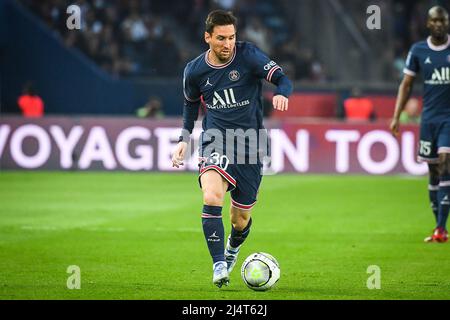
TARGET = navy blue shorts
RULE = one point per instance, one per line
(243, 179)
(434, 139)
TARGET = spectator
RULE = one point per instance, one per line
(152, 38)
(358, 108)
(166, 56)
(257, 33)
(30, 103)
(318, 73)
(152, 109)
(226, 4)
(135, 28)
(411, 113)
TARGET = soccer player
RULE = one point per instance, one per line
(432, 59)
(227, 78)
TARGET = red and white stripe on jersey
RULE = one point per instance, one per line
(242, 206)
(222, 172)
(271, 72)
(210, 216)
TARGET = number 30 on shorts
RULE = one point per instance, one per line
(218, 160)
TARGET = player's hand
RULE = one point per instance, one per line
(395, 126)
(178, 155)
(280, 102)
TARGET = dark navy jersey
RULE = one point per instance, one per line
(231, 92)
(433, 62)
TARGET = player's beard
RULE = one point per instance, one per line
(224, 57)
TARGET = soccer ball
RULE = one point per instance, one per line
(260, 271)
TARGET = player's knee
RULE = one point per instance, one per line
(240, 221)
(240, 225)
(212, 198)
(434, 171)
(444, 164)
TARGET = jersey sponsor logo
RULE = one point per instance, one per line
(234, 75)
(440, 76)
(226, 100)
(428, 60)
(229, 97)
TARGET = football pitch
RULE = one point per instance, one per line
(139, 236)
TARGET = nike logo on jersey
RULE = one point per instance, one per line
(428, 60)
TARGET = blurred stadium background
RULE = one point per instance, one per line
(112, 100)
(130, 50)
(127, 60)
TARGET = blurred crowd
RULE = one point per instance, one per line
(157, 38)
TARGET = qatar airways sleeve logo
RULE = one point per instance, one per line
(271, 68)
(270, 65)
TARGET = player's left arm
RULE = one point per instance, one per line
(284, 89)
(268, 69)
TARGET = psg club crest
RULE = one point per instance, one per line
(234, 75)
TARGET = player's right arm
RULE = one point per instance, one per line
(404, 92)
(412, 67)
(190, 114)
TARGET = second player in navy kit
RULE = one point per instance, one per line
(431, 58)
(228, 78)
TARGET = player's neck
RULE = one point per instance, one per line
(439, 41)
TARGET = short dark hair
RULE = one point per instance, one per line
(219, 18)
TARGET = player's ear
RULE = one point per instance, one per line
(207, 37)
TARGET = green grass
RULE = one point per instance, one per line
(139, 236)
